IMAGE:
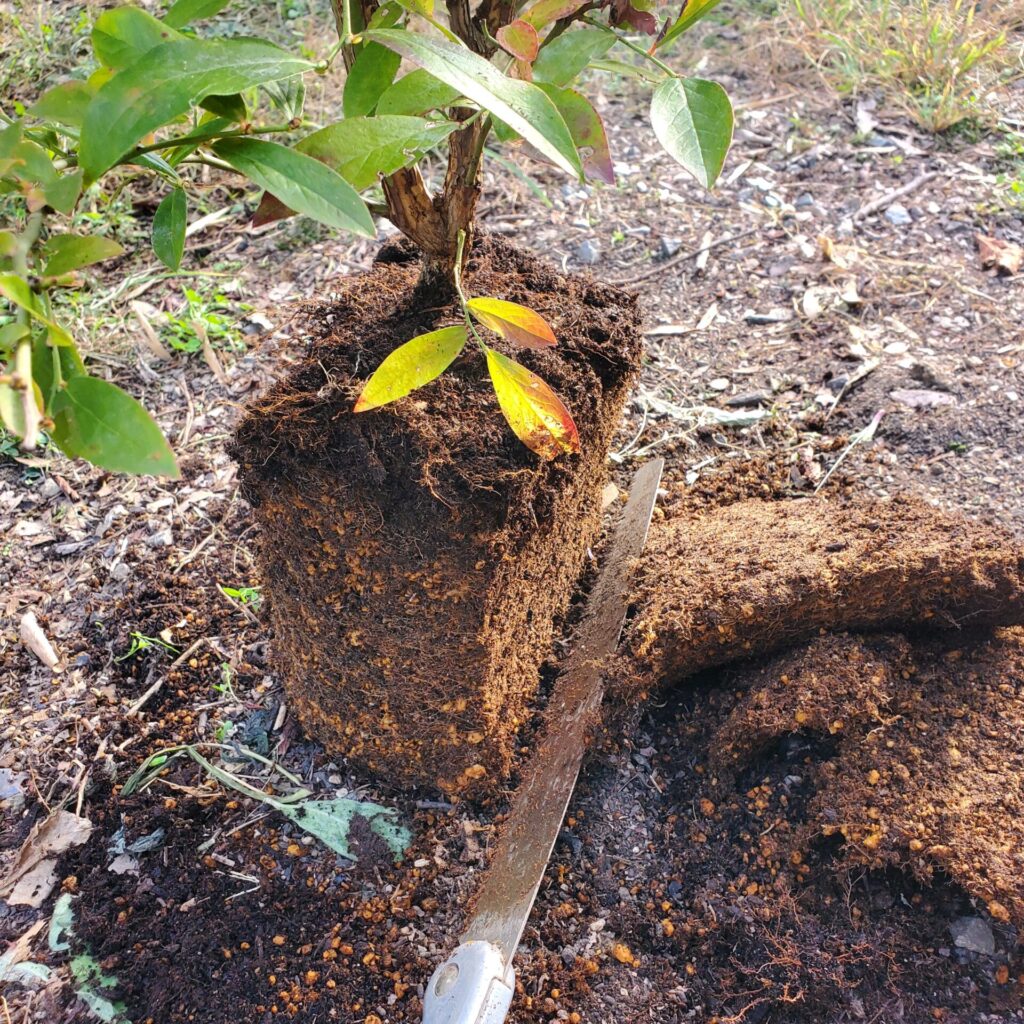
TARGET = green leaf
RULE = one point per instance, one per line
(693, 10)
(362, 148)
(62, 194)
(65, 103)
(421, 7)
(169, 224)
(692, 119)
(567, 55)
(69, 252)
(587, 130)
(184, 11)
(374, 70)
(166, 83)
(10, 335)
(12, 411)
(97, 421)
(15, 290)
(288, 96)
(417, 93)
(331, 821)
(410, 366)
(232, 108)
(299, 181)
(122, 35)
(521, 105)
(44, 355)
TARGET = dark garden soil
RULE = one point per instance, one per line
(831, 834)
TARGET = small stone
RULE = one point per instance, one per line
(804, 201)
(973, 934)
(897, 215)
(668, 247)
(588, 253)
(719, 384)
(749, 398)
(162, 539)
(642, 187)
(921, 398)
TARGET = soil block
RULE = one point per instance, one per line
(757, 576)
(416, 557)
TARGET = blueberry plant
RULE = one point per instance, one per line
(161, 99)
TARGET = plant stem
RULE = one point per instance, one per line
(463, 301)
(200, 137)
(627, 42)
(23, 354)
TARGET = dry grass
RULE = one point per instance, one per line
(942, 61)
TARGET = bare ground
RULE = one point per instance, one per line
(763, 362)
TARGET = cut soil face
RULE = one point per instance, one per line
(416, 557)
(756, 576)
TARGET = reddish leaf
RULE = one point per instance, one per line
(517, 324)
(546, 11)
(587, 131)
(520, 39)
(624, 12)
(534, 412)
(410, 366)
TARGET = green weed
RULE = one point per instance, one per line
(943, 61)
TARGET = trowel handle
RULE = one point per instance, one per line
(473, 986)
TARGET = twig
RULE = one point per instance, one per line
(155, 688)
(33, 637)
(156, 346)
(861, 436)
(890, 197)
(683, 257)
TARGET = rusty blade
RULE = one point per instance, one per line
(513, 876)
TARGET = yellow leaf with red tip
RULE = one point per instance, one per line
(410, 366)
(517, 324)
(520, 39)
(534, 412)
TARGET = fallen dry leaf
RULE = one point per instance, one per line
(33, 874)
(1006, 257)
(843, 256)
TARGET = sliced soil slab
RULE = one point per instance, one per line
(757, 576)
(927, 773)
(416, 557)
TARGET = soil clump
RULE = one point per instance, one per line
(756, 576)
(417, 557)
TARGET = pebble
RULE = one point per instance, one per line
(719, 384)
(974, 934)
(588, 253)
(668, 247)
(804, 201)
(748, 398)
(161, 539)
(897, 215)
(774, 316)
(921, 398)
